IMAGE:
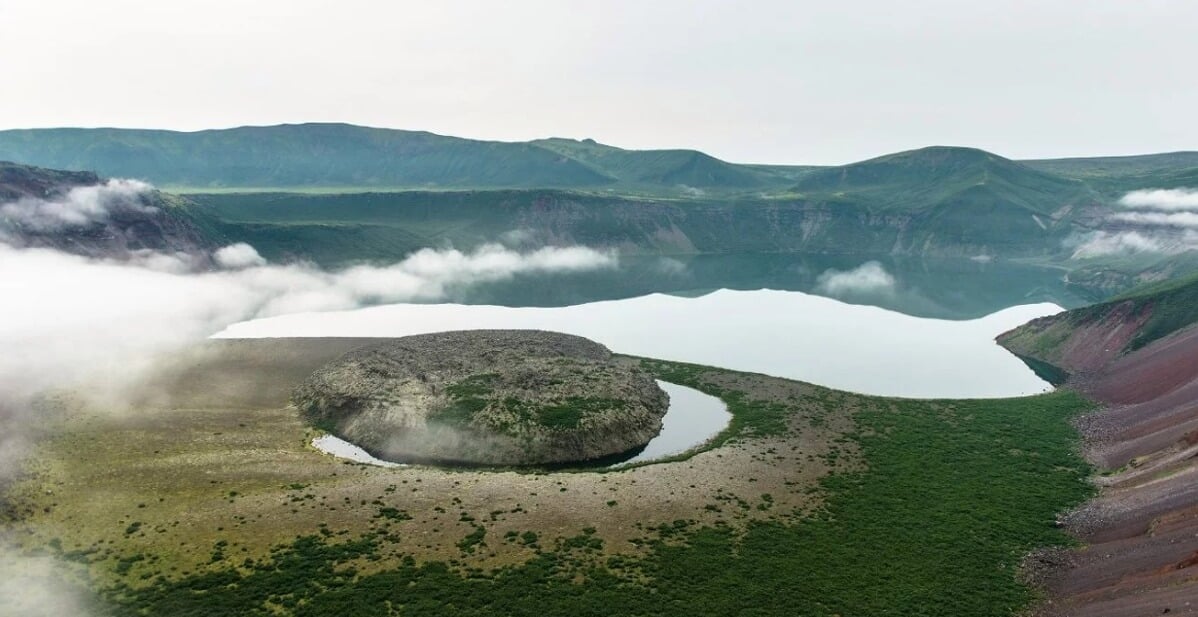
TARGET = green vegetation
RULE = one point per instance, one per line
(566, 414)
(569, 412)
(955, 202)
(669, 169)
(950, 496)
(931, 177)
(475, 393)
(324, 156)
(467, 397)
(319, 157)
(750, 417)
(1174, 306)
(1118, 174)
(474, 386)
(337, 194)
(1170, 306)
(472, 540)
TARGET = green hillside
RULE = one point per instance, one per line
(1117, 174)
(333, 157)
(308, 155)
(313, 156)
(342, 157)
(338, 193)
(1152, 311)
(681, 168)
(1116, 165)
(1173, 304)
(944, 176)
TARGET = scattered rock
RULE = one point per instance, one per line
(495, 397)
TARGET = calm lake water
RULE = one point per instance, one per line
(944, 288)
(790, 334)
(692, 420)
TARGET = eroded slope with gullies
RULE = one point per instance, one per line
(493, 397)
(1138, 355)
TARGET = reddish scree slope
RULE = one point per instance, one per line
(1141, 533)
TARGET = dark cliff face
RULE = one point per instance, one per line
(83, 214)
(386, 226)
(18, 181)
(789, 225)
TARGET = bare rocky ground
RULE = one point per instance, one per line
(1140, 534)
(495, 397)
(209, 458)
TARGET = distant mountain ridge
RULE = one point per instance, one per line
(350, 157)
(342, 155)
(338, 193)
(941, 175)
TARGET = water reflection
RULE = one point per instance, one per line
(944, 288)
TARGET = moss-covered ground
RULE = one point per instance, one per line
(907, 508)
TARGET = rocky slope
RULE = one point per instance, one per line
(1138, 355)
(81, 213)
(494, 397)
(1087, 339)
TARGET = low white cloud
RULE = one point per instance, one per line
(1163, 222)
(869, 277)
(79, 207)
(1106, 243)
(36, 587)
(1161, 219)
(1162, 199)
(66, 318)
(237, 256)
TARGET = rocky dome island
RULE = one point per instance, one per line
(488, 397)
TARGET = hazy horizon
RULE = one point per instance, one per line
(615, 145)
(774, 82)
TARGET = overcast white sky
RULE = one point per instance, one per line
(769, 81)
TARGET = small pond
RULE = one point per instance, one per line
(693, 419)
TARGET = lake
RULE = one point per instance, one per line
(859, 348)
(944, 288)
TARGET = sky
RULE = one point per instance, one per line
(771, 81)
